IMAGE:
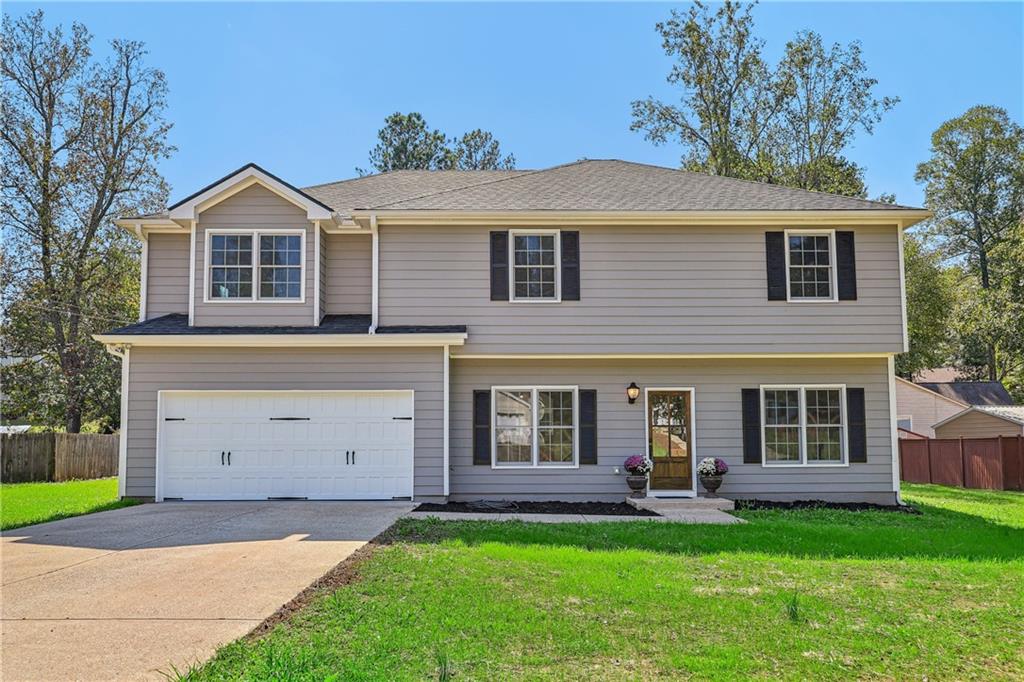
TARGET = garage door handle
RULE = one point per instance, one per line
(347, 453)
(289, 419)
(229, 458)
(404, 419)
(222, 458)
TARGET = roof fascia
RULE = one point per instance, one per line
(900, 218)
(244, 178)
(933, 394)
(979, 411)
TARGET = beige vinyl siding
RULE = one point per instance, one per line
(257, 208)
(155, 369)
(621, 426)
(978, 425)
(925, 407)
(643, 290)
(349, 284)
(167, 273)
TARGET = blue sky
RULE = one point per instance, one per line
(302, 88)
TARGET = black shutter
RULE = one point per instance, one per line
(775, 260)
(499, 266)
(570, 265)
(588, 426)
(482, 427)
(856, 425)
(846, 266)
(751, 425)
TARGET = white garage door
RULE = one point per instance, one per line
(256, 445)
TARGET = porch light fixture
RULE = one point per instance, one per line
(632, 392)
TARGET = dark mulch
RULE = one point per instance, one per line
(526, 507)
(756, 505)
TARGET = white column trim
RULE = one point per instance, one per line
(375, 305)
(894, 437)
(447, 400)
(122, 439)
(903, 290)
(143, 274)
(192, 273)
(316, 273)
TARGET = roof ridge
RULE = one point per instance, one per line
(415, 170)
(480, 184)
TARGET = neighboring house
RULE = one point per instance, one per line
(919, 408)
(472, 334)
(983, 421)
(922, 405)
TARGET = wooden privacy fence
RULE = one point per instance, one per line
(992, 463)
(26, 457)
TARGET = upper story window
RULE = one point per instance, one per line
(804, 425)
(534, 268)
(810, 260)
(534, 427)
(274, 273)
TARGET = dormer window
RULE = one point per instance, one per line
(234, 269)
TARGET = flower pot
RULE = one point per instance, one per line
(638, 484)
(711, 484)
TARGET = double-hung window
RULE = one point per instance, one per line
(804, 425)
(810, 265)
(534, 269)
(534, 427)
(255, 266)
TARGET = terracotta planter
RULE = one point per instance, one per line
(711, 484)
(638, 484)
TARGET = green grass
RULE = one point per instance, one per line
(23, 504)
(790, 595)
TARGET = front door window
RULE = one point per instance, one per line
(670, 439)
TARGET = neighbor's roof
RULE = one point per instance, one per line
(587, 185)
(1014, 413)
(971, 392)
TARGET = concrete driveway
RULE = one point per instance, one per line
(125, 594)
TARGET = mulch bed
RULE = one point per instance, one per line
(529, 507)
(757, 505)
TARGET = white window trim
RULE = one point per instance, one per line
(535, 463)
(256, 234)
(832, 282)
(905, 417)
(512, 234)
(803, 463)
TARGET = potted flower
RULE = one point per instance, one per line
(638, 467)
(710, 470)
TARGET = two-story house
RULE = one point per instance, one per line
(513, 335)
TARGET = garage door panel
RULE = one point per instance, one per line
(304, 455)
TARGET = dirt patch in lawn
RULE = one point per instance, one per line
(530, 507)
(758, 505)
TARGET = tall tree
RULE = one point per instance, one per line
(406, 142)
(974, 182)
(931, 296)
(790, 124)
(79, 144)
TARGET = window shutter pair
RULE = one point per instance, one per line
(569, 267)
(856, 425)
(778, 279)
(587, 421)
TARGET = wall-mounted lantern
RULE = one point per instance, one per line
(632, 392)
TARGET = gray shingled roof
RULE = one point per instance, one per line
(1012, 412)
(589, 185)
(177, 323)
(971, 392)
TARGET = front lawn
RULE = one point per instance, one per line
(23, 504)
(791, 594)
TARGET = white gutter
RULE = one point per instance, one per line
(375, 275)
(285, 340)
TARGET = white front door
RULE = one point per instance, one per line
(254, 445)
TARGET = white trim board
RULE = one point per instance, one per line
(284, 340)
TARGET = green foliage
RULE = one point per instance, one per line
(873, 595)
(79, 145)
(406, 142)
(23, 504)
(737, 116)
(931, 295)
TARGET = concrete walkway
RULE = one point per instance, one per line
(125, 594)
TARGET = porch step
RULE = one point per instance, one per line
(665, 505)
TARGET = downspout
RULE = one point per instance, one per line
(375, 305)
(447, 399)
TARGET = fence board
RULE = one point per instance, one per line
(987, 463)
(27, 457)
